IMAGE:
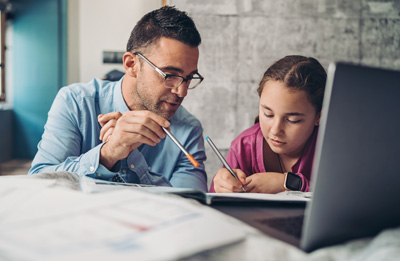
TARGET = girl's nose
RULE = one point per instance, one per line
(276, 128)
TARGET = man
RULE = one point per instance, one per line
(160, 66)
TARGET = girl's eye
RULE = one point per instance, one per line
(293, 121)
(268, 115)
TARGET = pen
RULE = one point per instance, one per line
(215, 149)
(188, 155)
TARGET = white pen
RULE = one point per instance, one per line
(215, 149)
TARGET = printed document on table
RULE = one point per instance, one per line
(61, 224)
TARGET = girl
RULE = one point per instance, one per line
(277, 152)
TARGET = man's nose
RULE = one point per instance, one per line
(181, 90)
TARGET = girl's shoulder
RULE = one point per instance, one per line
(249, 135)
(246, 150)
(252, 131)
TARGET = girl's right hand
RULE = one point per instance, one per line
(224, 182)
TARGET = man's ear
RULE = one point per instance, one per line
(130, 62)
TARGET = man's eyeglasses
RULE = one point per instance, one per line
(172, 81)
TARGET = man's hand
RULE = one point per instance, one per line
(267, 182)
(124, 133)
(224, 182)
(108, 122)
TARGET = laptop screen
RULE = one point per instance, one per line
(355, 173)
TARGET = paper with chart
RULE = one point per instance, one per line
(61, 224)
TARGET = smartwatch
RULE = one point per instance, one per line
(292, 182)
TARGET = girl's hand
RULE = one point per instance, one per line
(267, 182)
(224, 182)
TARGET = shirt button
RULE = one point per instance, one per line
(91, 169)
(124, 171)
(132, 166)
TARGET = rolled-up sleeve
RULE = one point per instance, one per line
(61, 146)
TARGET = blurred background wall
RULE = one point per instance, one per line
(95, 26)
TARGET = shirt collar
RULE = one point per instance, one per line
(120, 104)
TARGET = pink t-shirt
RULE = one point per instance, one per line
(246, 153)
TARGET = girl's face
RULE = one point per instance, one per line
(287, 118)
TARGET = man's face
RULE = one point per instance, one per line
(149, 93)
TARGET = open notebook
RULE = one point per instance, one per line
(90, 185)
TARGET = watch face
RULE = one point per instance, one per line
(293, 182)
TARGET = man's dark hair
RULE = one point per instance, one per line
(167, 22)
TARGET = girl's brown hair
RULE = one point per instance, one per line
(298, 73)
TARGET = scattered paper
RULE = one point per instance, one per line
(53, 223)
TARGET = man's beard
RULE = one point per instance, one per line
(147, 104)
(156, 108)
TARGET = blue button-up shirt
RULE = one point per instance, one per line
(70, 141)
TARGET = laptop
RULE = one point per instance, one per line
(356, 177)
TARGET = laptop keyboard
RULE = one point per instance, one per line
(289, 225)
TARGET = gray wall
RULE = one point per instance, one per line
(242, 38)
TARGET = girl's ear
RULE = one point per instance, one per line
(318, 119)
(130, 63)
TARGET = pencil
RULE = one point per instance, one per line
(188, 155)
(222, 159)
